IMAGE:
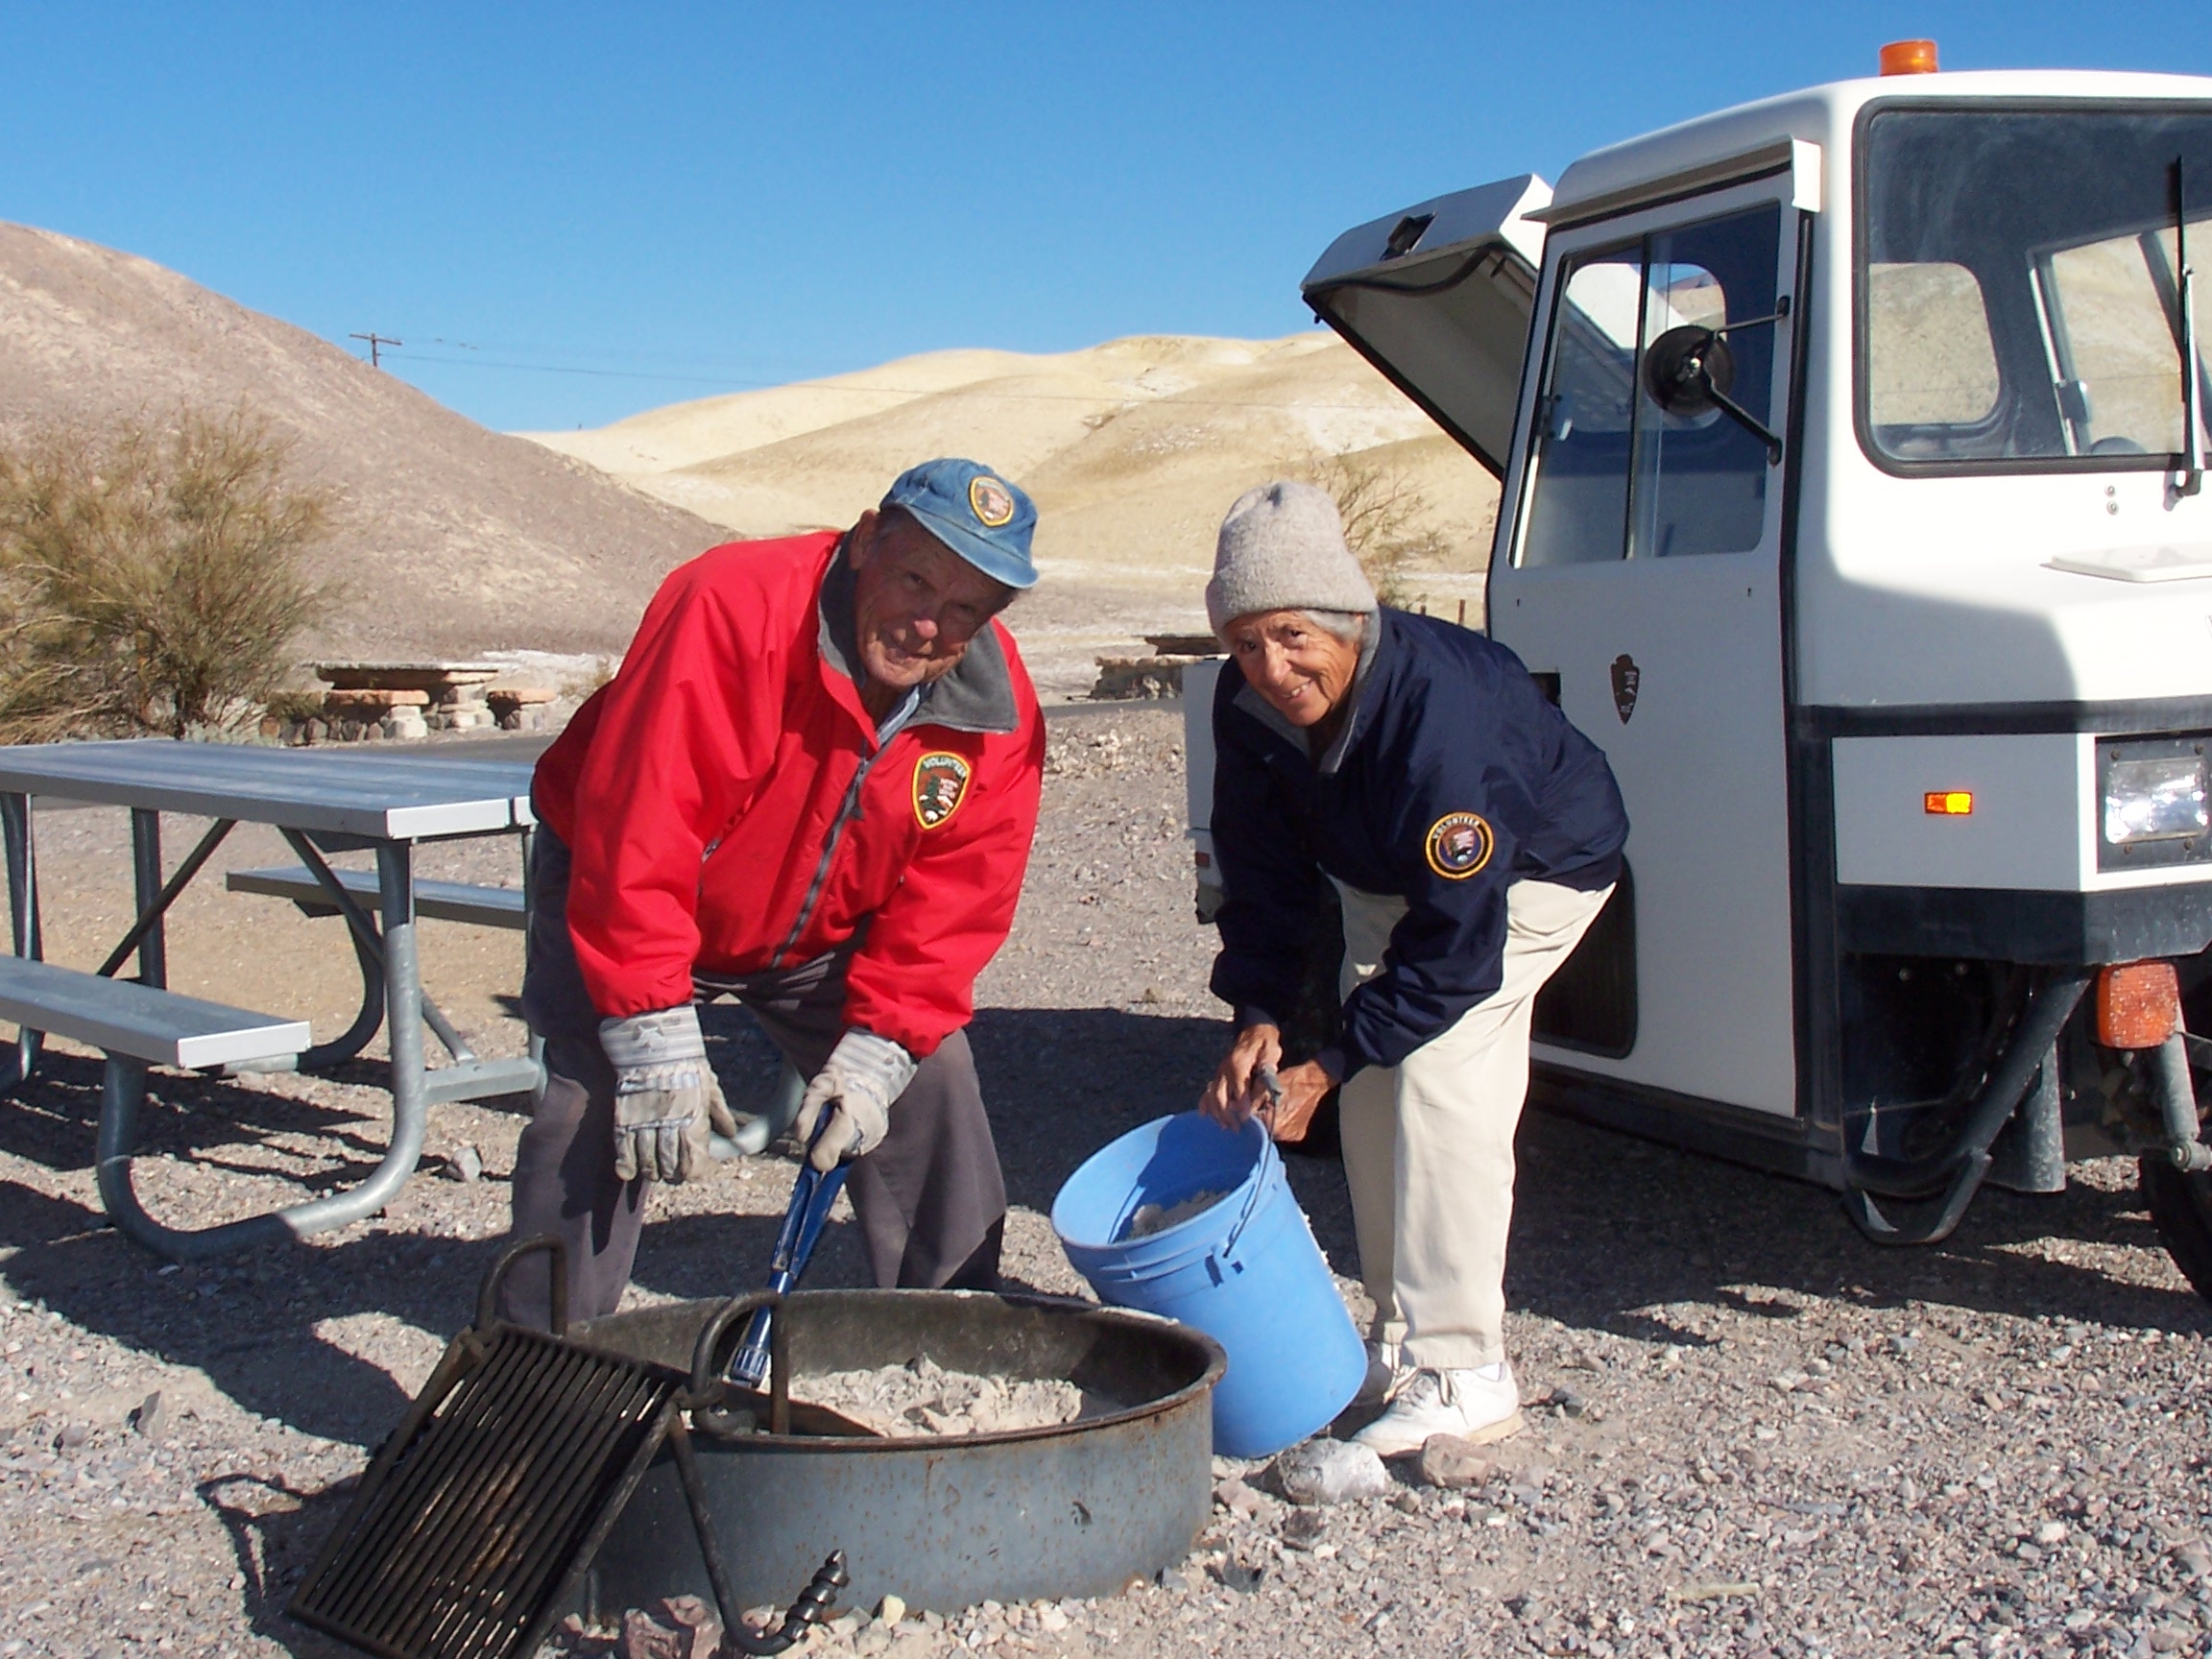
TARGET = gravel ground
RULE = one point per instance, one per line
(1759, 1435)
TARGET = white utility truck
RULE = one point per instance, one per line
(1851, 446)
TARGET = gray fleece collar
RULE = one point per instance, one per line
(976, 696)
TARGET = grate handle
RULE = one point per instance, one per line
(708, 1360)
(495, 1280)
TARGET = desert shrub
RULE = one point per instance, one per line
(294, 703)
(1383, 510)
(152, 577)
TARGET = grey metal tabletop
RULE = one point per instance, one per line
(390, 797)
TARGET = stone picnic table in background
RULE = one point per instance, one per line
(1159, 675)
(404, 700)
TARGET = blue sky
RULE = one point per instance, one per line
(568, 213)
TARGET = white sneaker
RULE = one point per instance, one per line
(1386, 1376)
(1481, 1405)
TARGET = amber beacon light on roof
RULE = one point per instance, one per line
(1909, 58)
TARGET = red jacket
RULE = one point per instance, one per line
(728, 808)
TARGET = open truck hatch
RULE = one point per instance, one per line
(1438, 298)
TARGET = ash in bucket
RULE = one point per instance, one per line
(1151, 1219)
(921, 1398)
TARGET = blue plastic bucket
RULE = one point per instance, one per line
(1245, 1270)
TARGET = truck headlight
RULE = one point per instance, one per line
(2155, 798)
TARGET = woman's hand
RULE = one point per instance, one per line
(1304, 1087)
(1239, 1088)
(1235, 1091)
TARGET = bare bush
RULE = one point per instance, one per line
(152, 577)
(1383, 510)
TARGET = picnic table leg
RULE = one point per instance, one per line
(146, 874)
(355, 1037)
(537, 1048)
(122, 1093)
(368, 954)
(23, 917)
(125, 1091)
(403, 1001)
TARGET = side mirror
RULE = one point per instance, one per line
(1689, 371)
(1686, 367)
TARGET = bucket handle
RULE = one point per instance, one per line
(1261, 1175)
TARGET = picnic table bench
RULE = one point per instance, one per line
(134, 1026)
(443, 900)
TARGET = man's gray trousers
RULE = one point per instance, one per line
(930, 1201)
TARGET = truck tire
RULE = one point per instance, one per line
(2181, 1210)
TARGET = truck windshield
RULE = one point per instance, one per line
(2017, 285)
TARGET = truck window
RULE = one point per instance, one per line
(2016, 284)
(1579, 510)
(1930, 360)
(2116, 345)
(1615, 476)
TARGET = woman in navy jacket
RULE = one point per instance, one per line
(1472, 835)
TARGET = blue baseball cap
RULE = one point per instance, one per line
(973, 511)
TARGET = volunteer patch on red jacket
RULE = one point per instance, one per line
(940, 785)
(1459, 844)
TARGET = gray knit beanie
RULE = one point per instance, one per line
(1281, 548)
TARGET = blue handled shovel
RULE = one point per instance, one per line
(811, 1196)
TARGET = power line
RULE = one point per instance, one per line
(607, 373)
(737, 385)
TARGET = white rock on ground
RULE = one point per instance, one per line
(1326, 1472)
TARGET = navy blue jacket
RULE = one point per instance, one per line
(1453, 778)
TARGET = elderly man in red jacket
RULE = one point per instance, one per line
(813, 787)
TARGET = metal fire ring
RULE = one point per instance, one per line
(1075, 1509)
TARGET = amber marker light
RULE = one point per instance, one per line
(2138, 1004)
(1909, 58)
(1947, 803)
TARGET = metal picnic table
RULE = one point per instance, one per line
(321, 802)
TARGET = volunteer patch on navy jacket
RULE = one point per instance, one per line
(1459, 844)
(940, 785)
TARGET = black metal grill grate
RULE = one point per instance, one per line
(461, 1539)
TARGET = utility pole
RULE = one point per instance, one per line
(376, 341)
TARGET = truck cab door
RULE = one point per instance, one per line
(1637, 571)
(1639, 559)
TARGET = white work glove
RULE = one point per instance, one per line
(666, 1099)
(864, 1074)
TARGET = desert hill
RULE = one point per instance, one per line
(1133, 451)
(454, 539)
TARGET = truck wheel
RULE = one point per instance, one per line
(2181, 1209)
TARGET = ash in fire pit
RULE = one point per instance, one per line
(921, 1398)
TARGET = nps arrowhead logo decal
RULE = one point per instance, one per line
(1627, 678)
(940, 784)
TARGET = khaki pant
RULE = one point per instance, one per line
(1429, 1144)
